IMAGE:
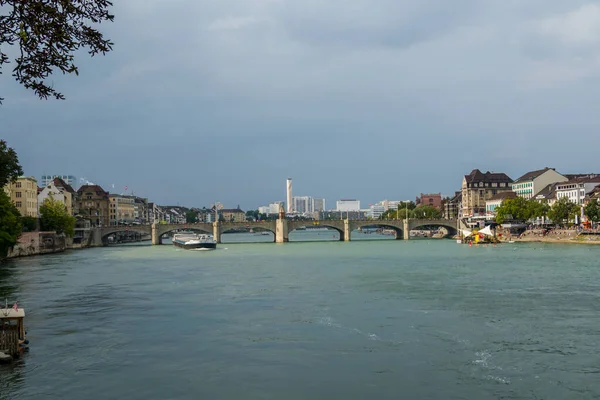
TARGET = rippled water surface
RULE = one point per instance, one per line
(324, 320)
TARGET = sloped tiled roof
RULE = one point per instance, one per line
(477, 176)
(59, 183)
(588, 178)
(231, 210)
(93, 188)
(532, 175)
(507, 194)
(595, 192)
(549, 192)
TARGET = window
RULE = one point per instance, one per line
(18, 204)
(18, 195)
(18, 184)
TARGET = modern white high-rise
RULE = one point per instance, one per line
(274, 207)
(318, 204)
(263, 210)
(290, 207)
(347, 205)
(69, 179)
(303, 204)
(375, 211)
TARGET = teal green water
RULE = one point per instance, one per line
(368, 319)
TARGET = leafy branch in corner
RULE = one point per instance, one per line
(47, 33)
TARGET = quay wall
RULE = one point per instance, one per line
(36, 243)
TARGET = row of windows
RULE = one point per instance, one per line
(522, 185)
(28, 195)
(30, 204)
(487, 184)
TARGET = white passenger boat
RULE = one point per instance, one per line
(192, 241)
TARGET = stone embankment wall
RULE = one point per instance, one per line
(35, 243)
(555, 236)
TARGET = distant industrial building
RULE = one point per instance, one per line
(271, 209)
(289, 204)
(433, 200)
(347, 205)
(68, 179)
(375, 211)
(318, 204)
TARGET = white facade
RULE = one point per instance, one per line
(375, 211)
(50, 190)
(576, 189)
(318, 204)
(303, 204)
(530, 184)
(391, 204)
(290, 207)
(347, 205)
(272, 208)
(263, 209)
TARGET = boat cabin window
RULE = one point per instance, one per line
(8, 323)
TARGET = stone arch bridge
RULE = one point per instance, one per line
(281, 228)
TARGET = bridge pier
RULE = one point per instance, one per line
(217, 232)
(281, 231)
(155, 236)
(406, 230)
(96, 238)
(347, 229)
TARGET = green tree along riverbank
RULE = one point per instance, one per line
(413, 211)
(563, 211)
(10, 217)
(10, 224)
(54, 216)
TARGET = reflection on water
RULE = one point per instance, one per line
(378, 319)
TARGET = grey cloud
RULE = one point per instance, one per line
(389, 97)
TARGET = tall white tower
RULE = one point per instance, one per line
(290, 206)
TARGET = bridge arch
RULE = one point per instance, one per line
(396, 226)
(448, 225)
(333, 225)
(142, 230)
(260, 227)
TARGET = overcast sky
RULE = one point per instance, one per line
(206, 100)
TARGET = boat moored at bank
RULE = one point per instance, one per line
(192, 241)
(12, 333)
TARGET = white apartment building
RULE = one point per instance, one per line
(318, 204)
(390, 204)
(303, 204)
(50, 190)
(532, 183)
(69, 179)
(263, 209)
(272, 208)
(375, 211)
(347, 205)
(576, 189)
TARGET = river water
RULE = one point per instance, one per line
(377, 319)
